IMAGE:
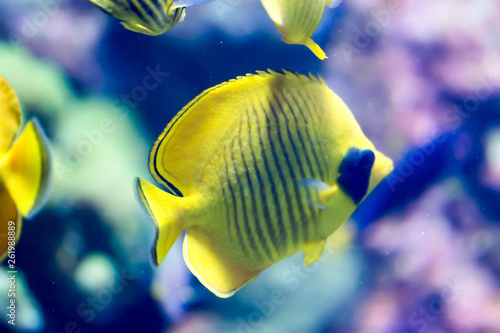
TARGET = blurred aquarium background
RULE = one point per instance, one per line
(421, 254)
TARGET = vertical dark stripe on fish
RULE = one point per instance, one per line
(318, 147)
(235, 208)
(316, 101)
(306, 16)
(226, 203)
(262, 191)
(314, 114)
(304, 218)
(294, 110)
(242, 196)
(252, 198)
(144, 12)
(159, 6)
(155, 11)
(300, 16)
(289, 187)
(269, 224)
(279, 214)
(310, 128)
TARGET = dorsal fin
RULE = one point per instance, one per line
(194, 136)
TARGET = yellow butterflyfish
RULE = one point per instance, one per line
(297, 20)
(24, 168)
(149, 17)
(259, 168)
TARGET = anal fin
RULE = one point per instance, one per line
(313, 251)
(209, 263)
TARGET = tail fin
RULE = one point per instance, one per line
(167, 212)
(26, 169)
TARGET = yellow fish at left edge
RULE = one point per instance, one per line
(297, 20)
(24, 168)
(149, 17)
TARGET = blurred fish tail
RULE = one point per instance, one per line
(26, 169)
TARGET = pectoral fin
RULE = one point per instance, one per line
(313, 251)
(315, 192)
(211, 265)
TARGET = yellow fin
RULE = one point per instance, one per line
(208, 262)
(313, 251)
(315, 48)
(315, 192)
(183, 16)
(342, 238)
(8, 213)
(10, 115)
(167, 212)
(310, 44)
(26, 169)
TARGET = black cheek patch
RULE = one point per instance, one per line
(354, 173)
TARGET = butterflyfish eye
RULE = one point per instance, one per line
(354, 173)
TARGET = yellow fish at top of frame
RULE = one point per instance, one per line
(149, 17)
(24, 168)
(260, 167)
(297, 20)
